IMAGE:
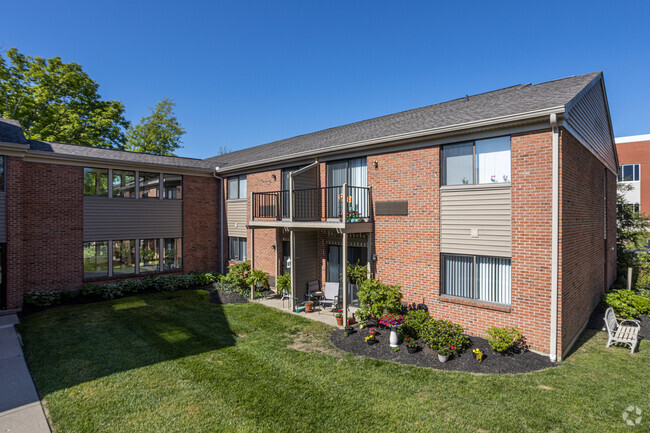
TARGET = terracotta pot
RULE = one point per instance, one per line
(309, 307)
(373, 332)
(339, 321)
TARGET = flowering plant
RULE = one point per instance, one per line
(479, 355)
(391, 320)
(370, 338)
(493, 178)
(411, 342)
(339, 314)
(444, 351)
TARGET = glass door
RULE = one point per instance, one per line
(354, 173)
(286, 257)
(335, 268)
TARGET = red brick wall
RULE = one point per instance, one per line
(52, 226)
(201, 224)
(638, 152)
(585, 274)
(14, 190)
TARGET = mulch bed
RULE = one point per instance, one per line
(222, 297)
(493, 362)
(596, 322)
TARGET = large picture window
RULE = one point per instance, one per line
(95, 259)
(172, 186)
(96, 182)
(173, 251)
(149, 184)
(629, 172)
(123, 184)
(149, 255)
(236, 187)
(476, 277)
(124, 257)
(478, 162)
(237, 249)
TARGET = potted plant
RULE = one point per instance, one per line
(370, 339)
(411, 345)
(392, 321)
(348, 330)
(258, 278)
(478, 354)
(372, 331)
(339, 317)
(445, 352)
(309, 306)
(283, 284)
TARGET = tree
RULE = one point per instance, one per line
(159, 133)
(56, 101)
(630, 226)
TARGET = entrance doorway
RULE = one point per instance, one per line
(335, 268)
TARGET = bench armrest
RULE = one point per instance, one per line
(635, 322)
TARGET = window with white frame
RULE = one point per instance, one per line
(477, 162)
(237, 187)
(476, 277)
(237, 249)
(629, 172)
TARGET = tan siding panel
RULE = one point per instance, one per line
(487, 210)
(3, 217)
(236, 216)
(107, 219)
(306, 264)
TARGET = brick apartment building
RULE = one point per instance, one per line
(634, 156)
(493, 209)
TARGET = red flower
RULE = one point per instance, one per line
(452, 347)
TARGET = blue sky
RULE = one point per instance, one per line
(245, 73)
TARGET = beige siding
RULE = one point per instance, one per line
(109, 219)
(236, 216)
(589, 118)
(484, 209)
(3, 217)
(306, 264)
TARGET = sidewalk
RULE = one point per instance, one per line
(20, 408)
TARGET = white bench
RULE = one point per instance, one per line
(620, 333)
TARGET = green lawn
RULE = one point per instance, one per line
(172, 362)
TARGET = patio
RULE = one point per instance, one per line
(320, 314)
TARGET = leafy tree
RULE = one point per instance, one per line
(159, 133)
(630, 226)
(56, 101)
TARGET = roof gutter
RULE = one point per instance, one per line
(555, 240)
(536, 114)
(223, 204)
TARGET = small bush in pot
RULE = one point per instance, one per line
(443, 334)
(411, 345)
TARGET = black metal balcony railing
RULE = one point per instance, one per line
(313, 204)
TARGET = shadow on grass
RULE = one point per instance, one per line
(74, 344)
(586, 335)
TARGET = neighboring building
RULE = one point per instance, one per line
(634, 156)
(493, 209)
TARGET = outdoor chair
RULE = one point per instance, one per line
(331, 295)
(314, 292)
(620, 333)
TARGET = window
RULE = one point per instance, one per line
(173, 254)
(96, 182)
(172, 186)
(149, 184)
(355, 174)
(629, 172)
(475, 277)
(149, 255)
(632, 208)
(95, 259)
(478, 162)
(123, 184)
(2, 173)
(124, 257)
(237, 187)
(237, 249)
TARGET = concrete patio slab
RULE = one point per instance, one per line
(325, 315)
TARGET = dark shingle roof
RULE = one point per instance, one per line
(504, 102)
(11, 132)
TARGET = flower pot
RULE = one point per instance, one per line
(339, 321)
(412, 349)
(373, 332)
(309, 307)
(442, 358)
(371, 342)
(394, 338)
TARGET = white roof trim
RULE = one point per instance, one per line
(632, 138)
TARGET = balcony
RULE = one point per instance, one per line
(314, 208)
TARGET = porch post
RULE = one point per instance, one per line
(292, 257)
(345, 276)
(252, 260)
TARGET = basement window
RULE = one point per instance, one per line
(476, 277)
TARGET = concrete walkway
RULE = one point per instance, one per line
(20, 408)
(325, 316)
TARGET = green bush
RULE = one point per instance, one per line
(377, 299)
(442, 335)
(626, 304)
(503, 339)
(414, 322)
(257, 278)
(237, 275)
(283, 283)
(42, 298)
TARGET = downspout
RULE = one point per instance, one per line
(555, 233)
(221, 194)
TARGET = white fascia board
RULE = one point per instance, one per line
(632, 138)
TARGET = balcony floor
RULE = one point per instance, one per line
(356, 227)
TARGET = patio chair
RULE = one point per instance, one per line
(314, 292)
(331, 295)
(620, 333)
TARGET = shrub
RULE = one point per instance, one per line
(626, 304)
(237, 275)
(283, 283)
(414, 321)
(504, 339)
(441, 335)
(377, 299)
(203, 279)
(258, 278)
(42, 298)
(110, 291)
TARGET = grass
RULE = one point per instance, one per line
(172, 362)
